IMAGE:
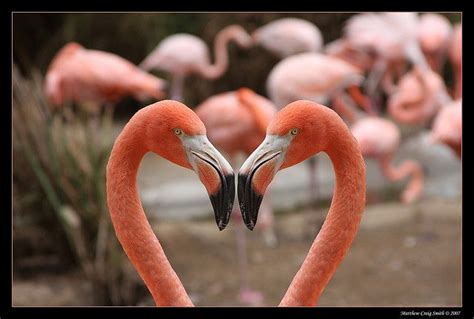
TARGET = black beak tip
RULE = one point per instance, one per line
(249, 201)
(223, 201)
(221, 226)
(250, 225)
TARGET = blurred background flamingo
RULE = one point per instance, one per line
(186, 54)
(92, 77)
(288, 36)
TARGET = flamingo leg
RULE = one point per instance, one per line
(247, 296)
(177, 87)
(267, 222)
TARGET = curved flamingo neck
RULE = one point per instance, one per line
(130, 222)
(248, 99)
(213, 71)
(407, 168)
(341, 224)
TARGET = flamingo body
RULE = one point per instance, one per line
(81, 75)
(289, 36)
(181, 54)
(312, 76)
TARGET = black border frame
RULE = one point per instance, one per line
(7, 311)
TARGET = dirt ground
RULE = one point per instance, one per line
(402, 256)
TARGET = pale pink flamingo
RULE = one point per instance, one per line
(319, 78)
(79, 75)
(455, 55)
(447, 126)
(298, 131)
(418, 97)
(236, 123)
(184, 54)
(379, 139)
(175, 132)
(434, 36)
(288, 36)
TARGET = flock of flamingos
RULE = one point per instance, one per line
(396, 55)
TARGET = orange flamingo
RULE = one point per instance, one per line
(175, 132)
(418, 97)
(455, 54)
(289, 36)
(447, 127)
(319, 78)
(185, 54)
(87, 76)
(300, 130)
(434, 35)
(236, 123)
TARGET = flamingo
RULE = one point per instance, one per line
(391, 36)
(185, 54)
(455, 54)
(236, 122)
(434, 35)
(379, 139)
(319, 78)
(77, 74)
(447, 127)
(172, 130)
(288, 36)
(418, 97)
(298, 131)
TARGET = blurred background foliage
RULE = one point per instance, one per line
(60, 217)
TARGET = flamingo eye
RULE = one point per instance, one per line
(294, 131)
(177, 131)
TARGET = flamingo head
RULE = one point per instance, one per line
(176, 133)
(294, 134)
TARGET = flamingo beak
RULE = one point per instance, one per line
(256, 174)
(217, 176)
